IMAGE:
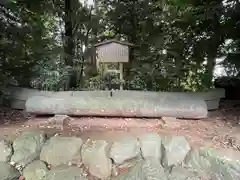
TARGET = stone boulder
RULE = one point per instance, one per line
(218, 164)
(64, 172)
(179, 173)
(61, 150)
(153, 170)
(175, 150)
(150, 145)
(35, 170)
(59, 121)
(149, 169)
(134, 173)
(6, 150)
(95, 156)
(8, 172)
(125, 149)
(27, 148)
(200, 163)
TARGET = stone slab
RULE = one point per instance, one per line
(164, 104)
(91, 93)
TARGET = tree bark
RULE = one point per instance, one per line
(69, 43)
(215, 42)
(132, 38)
(209, 71)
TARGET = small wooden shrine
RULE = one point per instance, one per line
(111, 55)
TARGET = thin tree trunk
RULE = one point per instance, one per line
(69, 43)
(209, 71)
(132, 39)
(215, 42)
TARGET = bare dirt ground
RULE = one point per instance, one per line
(220, 130)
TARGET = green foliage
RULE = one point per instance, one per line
(47, 44)
(108, 80)
(95, 83)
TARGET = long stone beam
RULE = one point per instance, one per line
(152, 106)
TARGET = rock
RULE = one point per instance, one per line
(149, 169)
(154, 105)
(125, 149)
(61, 150)
(175, 150)
(153, 170)
(115, 171)
(8, 172)
(179, 173)
(35, 170)
(199, 163)
(27, 148)
(64, 172)
(134, 173)
(6, 151)
(225, 163)
(128, 164)
(59, 121)
(95, 158)
(218, 164)
(170, 104)
(150, 145)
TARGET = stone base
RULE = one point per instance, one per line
(212, 104)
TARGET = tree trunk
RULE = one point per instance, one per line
(132, 38)
(69, 43)
(214, 45)
(211, 62)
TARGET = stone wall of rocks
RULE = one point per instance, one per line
(149, 156)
